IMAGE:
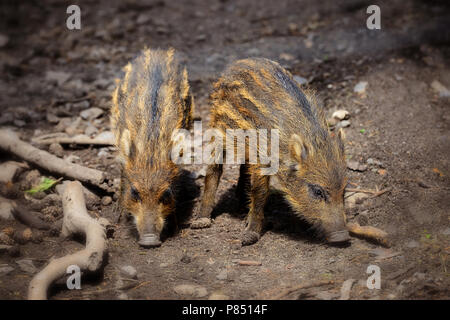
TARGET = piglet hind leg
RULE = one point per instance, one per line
(212, 178)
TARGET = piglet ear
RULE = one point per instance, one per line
(298, 149)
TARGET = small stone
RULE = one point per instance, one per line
(375, 162)
(341, 115)
(356, 166)
(122, 296)
(361, 87)
(292, 27)
(58, 77)
(52, 118)
(218, 296)
(223, 275)
(4, 39)
(5, 269)
(286, 56)
(413, 244)
(6, 209)
(163, 265)
(191, 290)
(143, 19)
(56, 149)
(26, 265)
(91, 113)
(343, 124)
(106, 200)
(90, 130)
(301, 80)
(129, 272)
(440, 89)
(446, 232)
(19, 123)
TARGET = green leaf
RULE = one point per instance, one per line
(362, 130)
(46, 184)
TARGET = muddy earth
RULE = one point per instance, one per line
(394, 83)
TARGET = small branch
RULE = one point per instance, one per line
(9, 141)
(105, 138)
(76, 220)
(374, 193)
(369, 232)
(301, 287)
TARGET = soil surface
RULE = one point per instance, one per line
(398, 138)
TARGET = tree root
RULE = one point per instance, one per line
(105, 138)
(9, 141)
(76, 220)
(369, 232)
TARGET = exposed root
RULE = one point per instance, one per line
(76, 220)
(369, 232)
(9, 141)
(105, 138)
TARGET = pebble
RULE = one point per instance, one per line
(129, 272)
(376, 162)
(343, 124)
(4, 39)
(191, 290)
(56, 149)
(6, 208)
(446, 232)
(106, 200)
(5, 269)
(218, 296)
(91, 113)
(356, 166)
(90, 130)
(413, 244)
(223, 275)
(122, 296)
(163, 265)
(301, 80)
(58, 77)
(341, 115)
(361, 87)
(26, 265)
(440, 89)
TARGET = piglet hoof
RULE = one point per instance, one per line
(201, 223)
(249, 237)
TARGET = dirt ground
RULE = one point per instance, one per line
(398, 134)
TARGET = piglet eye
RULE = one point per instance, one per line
(135, 194)
(166, 197)
(317, 192)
